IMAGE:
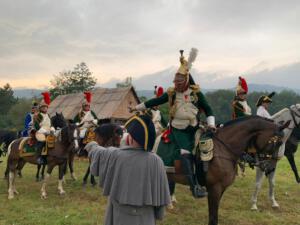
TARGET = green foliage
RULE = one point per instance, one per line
(7, 99)
(71, 81)
(14, 119)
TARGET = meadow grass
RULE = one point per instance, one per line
(86, 206)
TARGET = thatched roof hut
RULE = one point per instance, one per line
(109, 104)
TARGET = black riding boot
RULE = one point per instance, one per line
(187, 165)
(40, 159)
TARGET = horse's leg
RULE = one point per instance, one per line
(21, 164)
(258, 184)
(37, 176)
(271, 178)
(43, 172)
(61, 170)
(71, 166)
(11, 184)
(172, 185)
(47, 177)
(291, 160)
(86, 176)
(215, 193)
(93, 181)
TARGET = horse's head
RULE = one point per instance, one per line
(58, 121)
(70, 136)
(269, 139)
(109, 134)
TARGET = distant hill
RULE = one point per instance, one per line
(27, 93)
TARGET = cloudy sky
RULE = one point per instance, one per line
(119, 38)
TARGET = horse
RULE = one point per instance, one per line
(67, 141)
(287, 114)
(58, 121)
(230, 142)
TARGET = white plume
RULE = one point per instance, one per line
(192, 57)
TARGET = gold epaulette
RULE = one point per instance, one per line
(195, 87)
(171, 91)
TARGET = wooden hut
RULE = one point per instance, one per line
(109, 104)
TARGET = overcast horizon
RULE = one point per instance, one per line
(133, 38)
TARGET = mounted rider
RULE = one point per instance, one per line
(186, 101)
(86, 118)
(157, 118)
(263, 104)
(240, 107)
(43, 127)
(29, 120)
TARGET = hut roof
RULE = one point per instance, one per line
(105, 103)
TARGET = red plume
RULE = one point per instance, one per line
(88, 96)
(46, 96)
(159, 92)
(243, 84)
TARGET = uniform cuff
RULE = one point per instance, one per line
(140, 107)
(211, 121)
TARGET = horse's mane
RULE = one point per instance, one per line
(245, 118)
(278, 114)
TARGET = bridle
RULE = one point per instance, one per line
(294, 114)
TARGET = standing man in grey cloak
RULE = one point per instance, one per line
(132, 177)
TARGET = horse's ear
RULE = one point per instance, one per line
(285, 125)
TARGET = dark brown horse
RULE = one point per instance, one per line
(230, 142)
(67, 141)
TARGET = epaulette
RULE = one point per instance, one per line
(195, 87)
(171, 91)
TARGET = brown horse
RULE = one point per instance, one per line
(66, 142)
(230, 142)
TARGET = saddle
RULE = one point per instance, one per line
(89, 136)
(28, 145)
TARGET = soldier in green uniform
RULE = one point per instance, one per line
(86, 118)
(240, 107)
(186, 101)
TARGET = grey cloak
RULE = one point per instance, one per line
(135, 181)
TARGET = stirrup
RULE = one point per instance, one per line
(199, 191)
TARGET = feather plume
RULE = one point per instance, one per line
(46, 96)
(192, 57)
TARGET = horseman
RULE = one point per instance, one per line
(29, 120)
(186, 101)
(240, 107)
(157, 118)
(86, 118)
(263, 104)
(43, 127)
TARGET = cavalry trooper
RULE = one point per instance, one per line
(240, 107)
(43, 127)
(263, 104)
(157, 118)
(29, 120)
(186, 101)
(86, 118)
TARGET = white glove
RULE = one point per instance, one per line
(52, 129)
(77, 124)
(140, 107)
(95, 121)
(43, 131)
(211, 121)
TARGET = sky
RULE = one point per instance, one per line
(120, 38)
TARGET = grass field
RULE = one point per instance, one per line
(87, 206)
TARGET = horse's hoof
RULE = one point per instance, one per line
(275, 205)
(62, 192)
(173, 199)
(170, 207)
(16, 192)
(10, 196)
(44, 195)
(254, 207)
(74, 178)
